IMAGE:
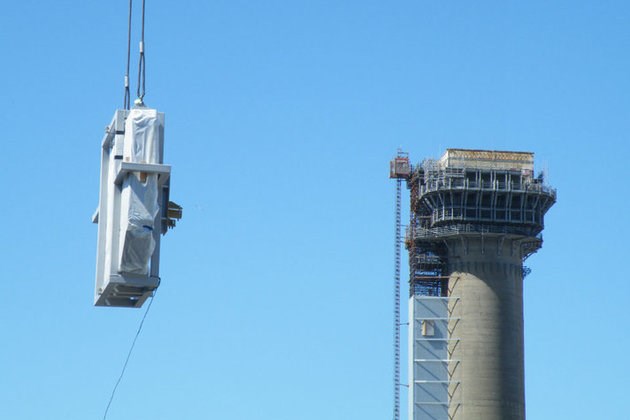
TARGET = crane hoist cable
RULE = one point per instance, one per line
(126, 100)
(141, 62)
(141, 88)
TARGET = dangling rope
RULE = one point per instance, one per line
(127, 99)
(141, 63)
(133, 344)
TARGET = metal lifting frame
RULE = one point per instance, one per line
(113, 287)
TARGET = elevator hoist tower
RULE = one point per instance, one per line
(134, 208)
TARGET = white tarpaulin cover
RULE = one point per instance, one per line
(139, 197)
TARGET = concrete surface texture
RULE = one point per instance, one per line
(486, 329)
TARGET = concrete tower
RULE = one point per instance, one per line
(476, 215)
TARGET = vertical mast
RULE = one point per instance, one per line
(396, 415)
(399, 169)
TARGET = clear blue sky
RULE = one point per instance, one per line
(281, 117)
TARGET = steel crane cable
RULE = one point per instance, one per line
(141, 89)
(141, 63)
(127, 98)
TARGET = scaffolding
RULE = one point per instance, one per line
(475, 192)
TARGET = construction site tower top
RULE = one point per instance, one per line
(487, 159)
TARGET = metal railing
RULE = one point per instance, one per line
(500, 215)
(449, 183)
(418, 232)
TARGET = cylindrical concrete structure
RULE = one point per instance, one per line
(475, 216)
(486, 328)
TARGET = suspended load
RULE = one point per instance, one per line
(134, 208)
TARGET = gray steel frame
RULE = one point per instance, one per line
(112, 287)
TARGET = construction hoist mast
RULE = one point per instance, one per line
(399, 170)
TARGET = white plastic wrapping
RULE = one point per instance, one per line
(139, 198)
